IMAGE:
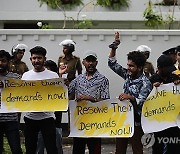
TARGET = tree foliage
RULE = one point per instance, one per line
(54, 4)
(113, 4)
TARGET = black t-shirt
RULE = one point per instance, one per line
(169, 79)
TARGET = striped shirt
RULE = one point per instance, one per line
(10, 116)
(97, 86)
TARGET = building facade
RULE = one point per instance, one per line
(24, 14)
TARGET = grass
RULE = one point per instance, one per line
(7, 149)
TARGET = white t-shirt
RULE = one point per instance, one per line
(32, 75)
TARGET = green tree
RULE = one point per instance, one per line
(113, 4)
(64, 5)
(154, 19)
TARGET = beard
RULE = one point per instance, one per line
(91, 69)
(38, 66)
(133, 75)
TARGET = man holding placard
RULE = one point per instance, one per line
(39, 121)
(8, 121)
(91, 86)
(136, 89)
(164, 75)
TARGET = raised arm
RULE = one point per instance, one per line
(114, 45)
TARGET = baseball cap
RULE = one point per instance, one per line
(164, 61)
(89, 53)
(178, 48)
(170, 51)
(67, 42)
(143, 48)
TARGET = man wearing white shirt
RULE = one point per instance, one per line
(39, 121)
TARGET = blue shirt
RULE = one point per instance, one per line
(97, 86)
(139, 88)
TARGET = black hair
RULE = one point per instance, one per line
(52, 65)
(137, 57)
(6, 54)
(38, 50)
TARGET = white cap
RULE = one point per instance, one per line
(143, 48)
(67, 42)
(17, 47)
(21, 47)
(89, 53)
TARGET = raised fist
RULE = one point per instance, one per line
(116, 42)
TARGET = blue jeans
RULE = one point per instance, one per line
(11, 129)
(41, 146)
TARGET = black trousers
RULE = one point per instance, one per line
(93, 144)
(47, 127)
(11, 129)
(167, 141)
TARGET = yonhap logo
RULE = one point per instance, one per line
(168, 140)
(147, 140)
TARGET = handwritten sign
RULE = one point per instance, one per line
(161, 108)
(35, 96)
(108, 118)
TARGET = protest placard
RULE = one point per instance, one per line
(108, 118)
(34, 96)
(161, 109)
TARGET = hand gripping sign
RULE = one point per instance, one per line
(108, 118)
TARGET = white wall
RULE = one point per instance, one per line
(97, 40)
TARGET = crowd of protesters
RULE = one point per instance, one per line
(43, 129)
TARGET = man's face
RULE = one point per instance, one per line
(146, 54)
(20, 54)
(90, 64)
(163, 71)
(3, 64)
(37, 61)
(133, 70)
(65, 50)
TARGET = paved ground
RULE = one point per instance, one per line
(106, 148)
